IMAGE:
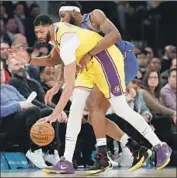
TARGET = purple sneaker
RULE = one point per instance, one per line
(163, 153)
(62, 167)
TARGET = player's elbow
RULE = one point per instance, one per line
(116, 35)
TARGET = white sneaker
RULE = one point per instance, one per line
(36, 158)
(127, 158)
(53, 158)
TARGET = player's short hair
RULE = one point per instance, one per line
(70, 3)
(42, 19)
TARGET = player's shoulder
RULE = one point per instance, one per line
(97, 15)
(97, 12)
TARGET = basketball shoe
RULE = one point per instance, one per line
(52, 158)
(62, 167)
(36, 158)
(163, 154)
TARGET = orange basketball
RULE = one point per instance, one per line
(42, 133)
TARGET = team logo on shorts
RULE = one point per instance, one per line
(116, 89)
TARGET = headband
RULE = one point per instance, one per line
(69, 8)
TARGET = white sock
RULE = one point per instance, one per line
(123, 110)
(101, 142)
(124, 139)
(74, 121)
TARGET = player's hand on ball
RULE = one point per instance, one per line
(49, 119)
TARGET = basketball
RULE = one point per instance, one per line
(42, 133)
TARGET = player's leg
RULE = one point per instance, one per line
(73, 128)
(98, 121)
(97, 103)
(122, 109)
(112, 77)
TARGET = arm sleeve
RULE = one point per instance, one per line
(9, 109)
(69, 44)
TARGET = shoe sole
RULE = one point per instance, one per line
(141, 162)
(93, 172)
(164, 165)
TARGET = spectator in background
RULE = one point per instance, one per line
(34, 11)
(20, 17)
(168, 92)
(151, 95)
(170, 53)
(164, 75)
(38, 50)
(154, 64)
(163, 117)
(19, 40)
(142, 60)
(136, 50)
(149, 52)
(48, 80)
(4, 56)
(3, 13)
(21, 81)
(4, 50)
(4, 37)
(17, 117)
(12, 29)
(135, 100)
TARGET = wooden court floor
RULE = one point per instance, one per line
(168, 172)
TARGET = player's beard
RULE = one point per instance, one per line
(72, 20)
(48, 37)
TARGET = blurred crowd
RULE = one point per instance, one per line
(152, 93)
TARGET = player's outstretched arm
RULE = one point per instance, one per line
(49, 60)
(22, 55)
(112, 35)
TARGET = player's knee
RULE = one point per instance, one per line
(91, 105)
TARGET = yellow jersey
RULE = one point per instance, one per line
(106, 69)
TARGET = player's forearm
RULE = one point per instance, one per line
(66, 94)
(105, 43)
(43, 61)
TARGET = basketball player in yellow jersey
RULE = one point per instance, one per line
(74, 43)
